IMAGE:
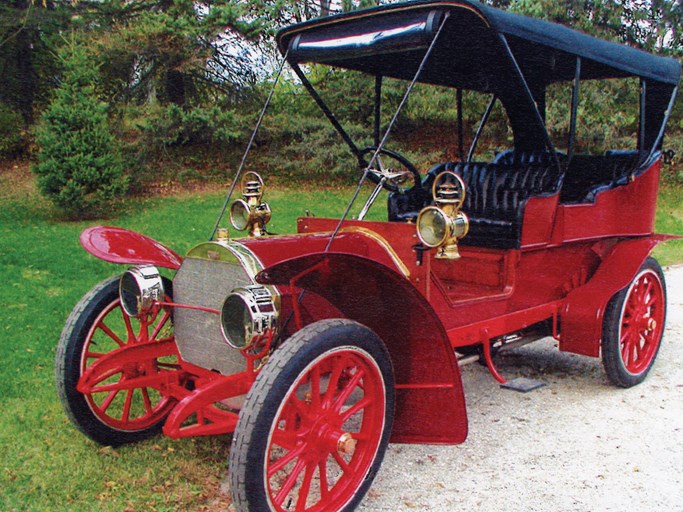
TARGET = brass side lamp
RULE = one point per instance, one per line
(443, 224)
(251, 213)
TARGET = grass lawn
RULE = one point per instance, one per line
(48, 465)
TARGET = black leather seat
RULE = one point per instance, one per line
(588, 175)
(495, 198)
(512, 157)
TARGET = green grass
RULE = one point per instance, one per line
(670, 220)
(45, 464)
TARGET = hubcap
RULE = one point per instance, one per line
(346, 444)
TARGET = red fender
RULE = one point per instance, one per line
(430, 402)
(118, 245)
(584, 307)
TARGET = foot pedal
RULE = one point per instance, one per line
(523, 385)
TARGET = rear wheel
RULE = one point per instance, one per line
(96, 327)
(633, 326)
(316, 422)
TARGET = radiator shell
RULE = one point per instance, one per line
(208, 274)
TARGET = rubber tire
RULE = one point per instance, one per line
(68, 368)
(611, 345)
(250, 441)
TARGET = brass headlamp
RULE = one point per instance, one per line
(444, 224)
(251, 213)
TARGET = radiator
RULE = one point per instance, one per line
(206, 282)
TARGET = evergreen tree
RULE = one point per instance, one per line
(79, 161)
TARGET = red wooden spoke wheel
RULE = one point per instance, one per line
(114, 412)
(316, 423)
(633, 326)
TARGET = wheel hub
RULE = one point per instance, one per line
(346, 444)
(324, 437)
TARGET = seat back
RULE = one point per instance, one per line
(588, 175)
(513, 157)
(496, 195)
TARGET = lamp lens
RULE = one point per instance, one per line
(432, 227)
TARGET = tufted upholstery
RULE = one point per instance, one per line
(512, 157)
(590, 174)
(495, 200)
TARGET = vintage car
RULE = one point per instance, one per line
(317, 349)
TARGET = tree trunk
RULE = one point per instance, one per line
(325, 7)
(26, 73)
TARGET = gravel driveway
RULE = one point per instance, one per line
(577, 444)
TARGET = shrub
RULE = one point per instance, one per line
(79, 160)
(173, 125)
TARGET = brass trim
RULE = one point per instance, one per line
(228, 252)
(382, 242)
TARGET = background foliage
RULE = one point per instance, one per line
(184, 80)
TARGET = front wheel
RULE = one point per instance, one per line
(633, 326)
(115, 413)
(316, 422)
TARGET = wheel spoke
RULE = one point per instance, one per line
(626, 345)
(363, 435)
(277, 466)
(324, 486)
(289, 483)
(648, 287)
(315, 390)
(348, 389)
(305, 487)
(300, 407)
(285, 438)
(102, 326)
(348, 413)
(108, 375)
(107, 401)
(160, 325)
(145, 399)
(333, 383)
(639, 348)
(125, 414)
(129, 327)
(343, 465)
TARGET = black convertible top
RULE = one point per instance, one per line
(480, 48)
(546, 51)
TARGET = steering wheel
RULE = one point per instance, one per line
(395, 180)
